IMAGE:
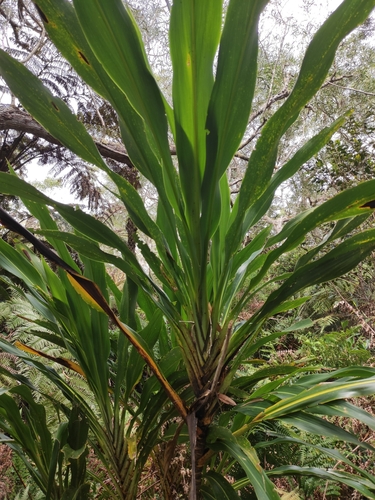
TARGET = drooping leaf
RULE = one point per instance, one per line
(218, 487)
(335, 263)
(61, 361)
(329, 452)
(322, 393)
(221, 439)
(93, 295)
(345, 409)
(362, 485)
(51, 111)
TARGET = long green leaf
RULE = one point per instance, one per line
(231, 100)
(308, 381)
(352, 202)
(347, 410)
(218, 487)
(321, 427)
(335, 263)
(322, 393)
(51, 111)
(37, 417)
(242, 264)
(306, 152)
(97, 352)
(15, 263)
(317, 61)
(110, 29)
(82, 222)
(342, 227)
(89, 249)
(61, 23)
(135, 362)
(364, 486)
(194, 36)
(265, 373)
(221, 439)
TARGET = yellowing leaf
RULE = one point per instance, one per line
(132, 446)
(84, 293)
(61, 361)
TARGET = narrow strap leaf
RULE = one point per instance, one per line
(194, 34)
(231, 99)
(110, 28)
(61, 361)
(91, 292)
(315, 66)
(50, 111)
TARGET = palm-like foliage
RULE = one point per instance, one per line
(201, 275)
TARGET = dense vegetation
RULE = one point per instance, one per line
(186, 358)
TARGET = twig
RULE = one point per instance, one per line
(352, 90)
(148, 487)
(36, 48)
(97, 109)
(254, 134)
(278, 97)
(241, 156)
(283, 95)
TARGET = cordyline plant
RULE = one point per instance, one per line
(162, 363)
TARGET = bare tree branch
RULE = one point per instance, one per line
(13, 118)
(38, 45)
(352, 90)
(283, 95)
(278, 97)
